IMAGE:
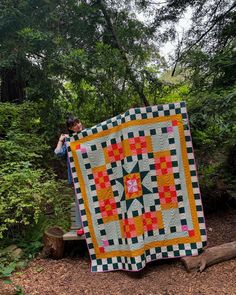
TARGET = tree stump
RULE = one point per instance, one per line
(210, 256)
(53, 243)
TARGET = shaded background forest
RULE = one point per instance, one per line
(97, 59)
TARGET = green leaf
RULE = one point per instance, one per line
(7, 281)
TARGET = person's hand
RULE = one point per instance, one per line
(62, 137)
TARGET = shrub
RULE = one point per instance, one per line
(27, 185)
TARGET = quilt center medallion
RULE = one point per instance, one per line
(133, 187)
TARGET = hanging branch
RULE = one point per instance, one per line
(219, 18)
(130, 73)
(179, 45)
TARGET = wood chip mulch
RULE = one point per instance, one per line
(72, 276)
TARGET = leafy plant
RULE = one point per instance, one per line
(27, 185)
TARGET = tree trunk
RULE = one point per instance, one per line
(12, 85)
(130, 73)
(53, 243)
(210, 256)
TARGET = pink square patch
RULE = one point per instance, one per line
(169, 129)
(184, 228)
(105, 243)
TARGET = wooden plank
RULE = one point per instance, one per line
(71, 235)
(73, 208)
(74, 226)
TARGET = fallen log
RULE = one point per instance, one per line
(210, 256)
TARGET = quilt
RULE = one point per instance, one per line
(136, 182)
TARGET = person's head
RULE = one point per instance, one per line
(73, 124)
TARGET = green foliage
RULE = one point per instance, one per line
(10, 263)
(6, 267)
(10, 260)
(24, 193)
(208, 58)
(82, 51)
(27, 185)
(212, 118)
(19, 129)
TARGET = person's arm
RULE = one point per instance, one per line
(60, 149)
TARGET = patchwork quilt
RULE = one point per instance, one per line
(136, 183)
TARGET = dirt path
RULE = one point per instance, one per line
(72, 276)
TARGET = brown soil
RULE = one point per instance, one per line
(72, 276)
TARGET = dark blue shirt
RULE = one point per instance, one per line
(63, 152)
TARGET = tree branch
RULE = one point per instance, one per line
(219, 18)
(132, 77)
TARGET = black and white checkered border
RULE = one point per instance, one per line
(194, 177)
(137, 263)
(134, 114)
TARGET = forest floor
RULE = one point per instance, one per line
(72, 276)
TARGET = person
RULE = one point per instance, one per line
(73, 126)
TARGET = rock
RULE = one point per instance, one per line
(17, 253)
(10, 248)
(21, 264)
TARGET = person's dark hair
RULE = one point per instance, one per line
(71, 121)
